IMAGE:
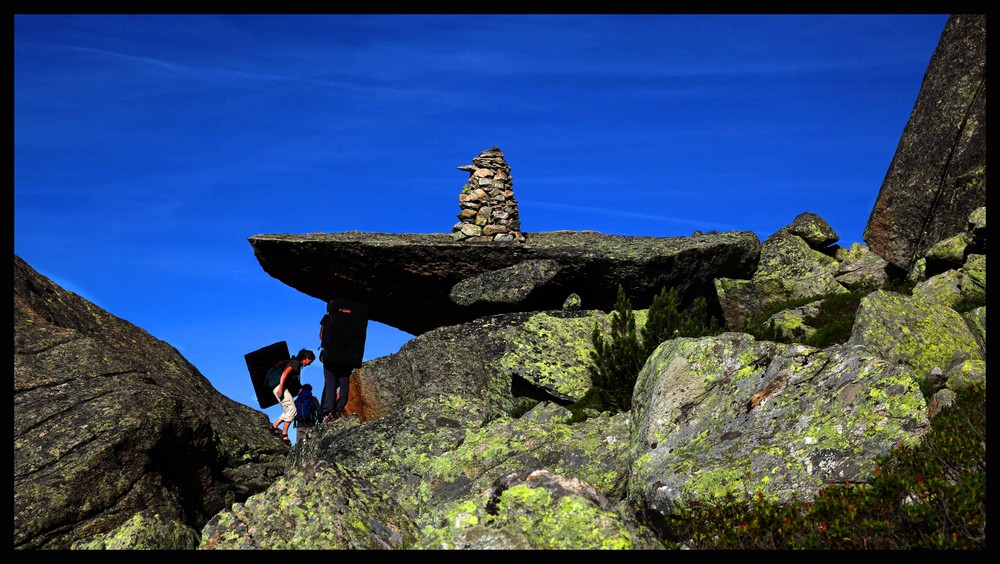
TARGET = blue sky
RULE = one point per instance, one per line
(149, 148)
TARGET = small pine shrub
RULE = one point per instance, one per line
(617, 358)
(663, 320)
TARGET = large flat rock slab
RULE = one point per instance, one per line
(418, 282)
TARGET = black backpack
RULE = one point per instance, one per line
(345, 330)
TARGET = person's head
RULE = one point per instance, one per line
(307, 387)
(306, 357)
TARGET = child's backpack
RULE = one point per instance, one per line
(307, 408)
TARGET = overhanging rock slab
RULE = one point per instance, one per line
(408, 279)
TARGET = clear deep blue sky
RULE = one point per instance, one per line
(149, 148)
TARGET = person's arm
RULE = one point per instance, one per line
(284, 376)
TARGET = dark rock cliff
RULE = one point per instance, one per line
(938, 174)
(110, 421)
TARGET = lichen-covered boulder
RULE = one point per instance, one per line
(543, 355)
(146, 530)
(860, 268)
(443, 453)
(976, 321)
(419, 282)
(316, 506)
(789, 268)
(938, 174)
(814, 230)
(728, 414)
(594, 450)
(88, 472)
(504, 285)
(960, 288)
(532, 510)
(920, 333)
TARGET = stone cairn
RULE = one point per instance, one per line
(489, 210)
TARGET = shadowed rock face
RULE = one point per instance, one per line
(110, 421)
(418, 282)
(938, 175)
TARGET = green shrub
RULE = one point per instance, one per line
(615, 361)
(617, 358)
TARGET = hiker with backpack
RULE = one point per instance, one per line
(306, 408)
(342, 334)
(288, 387)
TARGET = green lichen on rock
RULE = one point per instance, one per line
(318, 506)
(950, 250)
(540, 511)
(146, 530)
(966, 374)
(961, 289)
(553, 352)
(922, 333)
(976, 320)
(724, 415)
(592, 451)
(791, 323)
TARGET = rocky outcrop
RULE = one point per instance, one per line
(115, 431)
(461, 440)
(441, 460)
(797, 261)
(716, 415)
(938, 174)
(541, 355)
(447, 473)
(418, 282)
(911, 330)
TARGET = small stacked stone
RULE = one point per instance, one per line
(488, 208)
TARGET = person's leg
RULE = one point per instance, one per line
(288, 412)
(276, 426)
(329, 404)
(344, 386)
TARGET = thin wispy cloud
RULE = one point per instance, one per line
(629, 214)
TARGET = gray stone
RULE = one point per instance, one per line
(938, 175)
(921, 333)
(731, 415)
(789, 269)
(110, 422)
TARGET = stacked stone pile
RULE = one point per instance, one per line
(488, 208)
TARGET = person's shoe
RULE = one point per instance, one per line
(330, 418)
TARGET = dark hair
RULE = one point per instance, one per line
(304, 354)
